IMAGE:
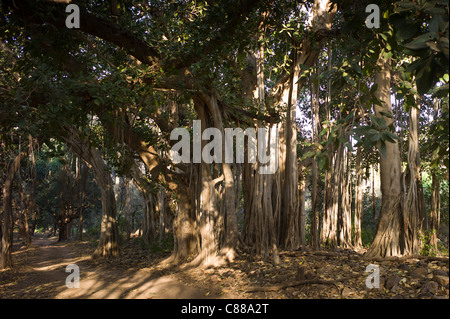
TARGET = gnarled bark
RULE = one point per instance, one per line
(388, 240)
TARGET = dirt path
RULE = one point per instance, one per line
(40, 272)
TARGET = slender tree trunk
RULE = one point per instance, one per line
(63, 218)
(345, 224)
(435, 213)
(314, 237)
(126, 207)
(6, 259)
(302, 213)
(325, 232)
(33, 209)
(23, 214)
(359, 197)
(374, 199)
(80, 228)
(290, 190)
(163, 220)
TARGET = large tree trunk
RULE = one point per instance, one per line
(388, 240)
(281, 189)
(62, 230)
(261, 191)
(185, 239)
(413, 213)
(108, 242)
(337, 223)
(6, 225)
(228, 250)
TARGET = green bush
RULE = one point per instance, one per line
(93, 231)
(165, 245)
(427, 248)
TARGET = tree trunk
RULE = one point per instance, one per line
(24, 228)
(413, 209)
(374, 198)
(289, 203)
(359, 197)
(435, 213)
(107, 245)
(126, 208)
(149, 225)
(302, 213)
(314, 237)
(6, 259)
(185, 241)
(388, 240)
(345, 221)
(261, 191)
(163, 216)
(228, 251)
(80, 228)
(62, 231)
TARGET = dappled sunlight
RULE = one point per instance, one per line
(142, 284)
(224, 149)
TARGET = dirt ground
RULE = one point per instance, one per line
(40, 272)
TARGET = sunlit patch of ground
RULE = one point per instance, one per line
(40, 272)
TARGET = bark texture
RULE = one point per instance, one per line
(388, 240)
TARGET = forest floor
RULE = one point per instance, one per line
(40, 272)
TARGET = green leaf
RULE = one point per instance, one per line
(378, 121)
(424, 77)
(323, 132)
(309, 154)
(382, 148)
(323, 162)
(417, 64)
(406, 30)
(373, 135)
(420, 42)
(357, 69)
(389, 115)
(373, 88)
(388, 136)
(435, 22)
